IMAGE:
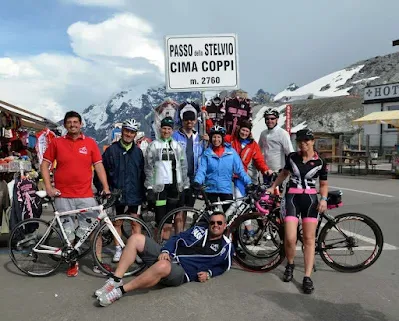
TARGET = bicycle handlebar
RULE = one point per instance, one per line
(112, 198)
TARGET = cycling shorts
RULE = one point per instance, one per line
(301, 204)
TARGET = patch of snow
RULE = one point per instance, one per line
(132, 96)
(96, 116)
(365, 80)
(334, 79)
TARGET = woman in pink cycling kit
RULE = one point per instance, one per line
(301, 199)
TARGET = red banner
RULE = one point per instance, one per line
(288, 118)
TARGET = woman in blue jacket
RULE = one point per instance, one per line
(218, 164)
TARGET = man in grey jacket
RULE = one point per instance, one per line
(274, 142)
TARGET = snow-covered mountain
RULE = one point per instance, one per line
(136, 102)
(348, 81)
(328, 104)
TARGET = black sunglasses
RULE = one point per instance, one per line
(214, 222)
(270, 118)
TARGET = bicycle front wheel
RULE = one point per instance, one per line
(104, 244)
(351, 243)
(25, 237)
(265, 251)
(179, 220)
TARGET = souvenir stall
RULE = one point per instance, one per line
(24, 136)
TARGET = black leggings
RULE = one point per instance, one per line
(213, 197)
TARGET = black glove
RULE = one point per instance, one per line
(150, 195)
(196, 186)
(249, 188)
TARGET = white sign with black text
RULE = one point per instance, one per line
(386, 91)
(201, 62)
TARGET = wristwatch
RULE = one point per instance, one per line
(323, 198)
(208, 276)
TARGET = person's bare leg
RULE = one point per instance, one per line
(180, 221)
(149, 277)
(134, 244)
(309, 237)
(290, 239)
(166, 231)
(136, 228)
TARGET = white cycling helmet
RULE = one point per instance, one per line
(271, 112)
(131, 124)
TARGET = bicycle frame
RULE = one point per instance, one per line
(209, 206)
(102, 216)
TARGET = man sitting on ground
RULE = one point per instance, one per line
(194, 255)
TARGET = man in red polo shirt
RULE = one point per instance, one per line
(75, 155)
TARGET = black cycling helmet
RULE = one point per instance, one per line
(218, 130)
(304, 134)
(271, 112)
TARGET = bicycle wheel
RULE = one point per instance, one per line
(104, 245)
(23, 239)
(262, 255)
(178, 220)
(352, 236)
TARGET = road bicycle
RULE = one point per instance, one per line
(349, 242)
(38, 247)
(183, 218)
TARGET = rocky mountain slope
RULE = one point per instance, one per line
(328, 104)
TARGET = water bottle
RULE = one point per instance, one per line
(232, 209)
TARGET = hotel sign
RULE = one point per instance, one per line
(381, 92)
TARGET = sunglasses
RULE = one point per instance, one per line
(270, 119)
(216, 222)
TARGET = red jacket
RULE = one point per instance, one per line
(250, 152)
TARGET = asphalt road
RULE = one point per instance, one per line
(237, 295)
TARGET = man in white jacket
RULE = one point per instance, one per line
(274, 142)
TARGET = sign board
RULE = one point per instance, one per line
(288, 118)
(208, 62)
(381, 92)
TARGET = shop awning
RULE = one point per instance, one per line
(390, 117)
(28, 119)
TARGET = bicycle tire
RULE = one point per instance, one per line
(273, 235)
(103, 263)
(366, 263)
(250, 262)
(170, 217)
(15, 239)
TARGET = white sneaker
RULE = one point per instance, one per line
(109, 285)
(118, 254)
(106, 299)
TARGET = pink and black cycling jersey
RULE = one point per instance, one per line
(304, 175)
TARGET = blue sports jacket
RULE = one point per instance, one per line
(217, 172)
(198, 148)
(215, 264)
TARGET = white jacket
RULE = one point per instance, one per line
(153, 166)
(275, 145)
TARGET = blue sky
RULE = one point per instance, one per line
(57, 55)
(33, 27)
